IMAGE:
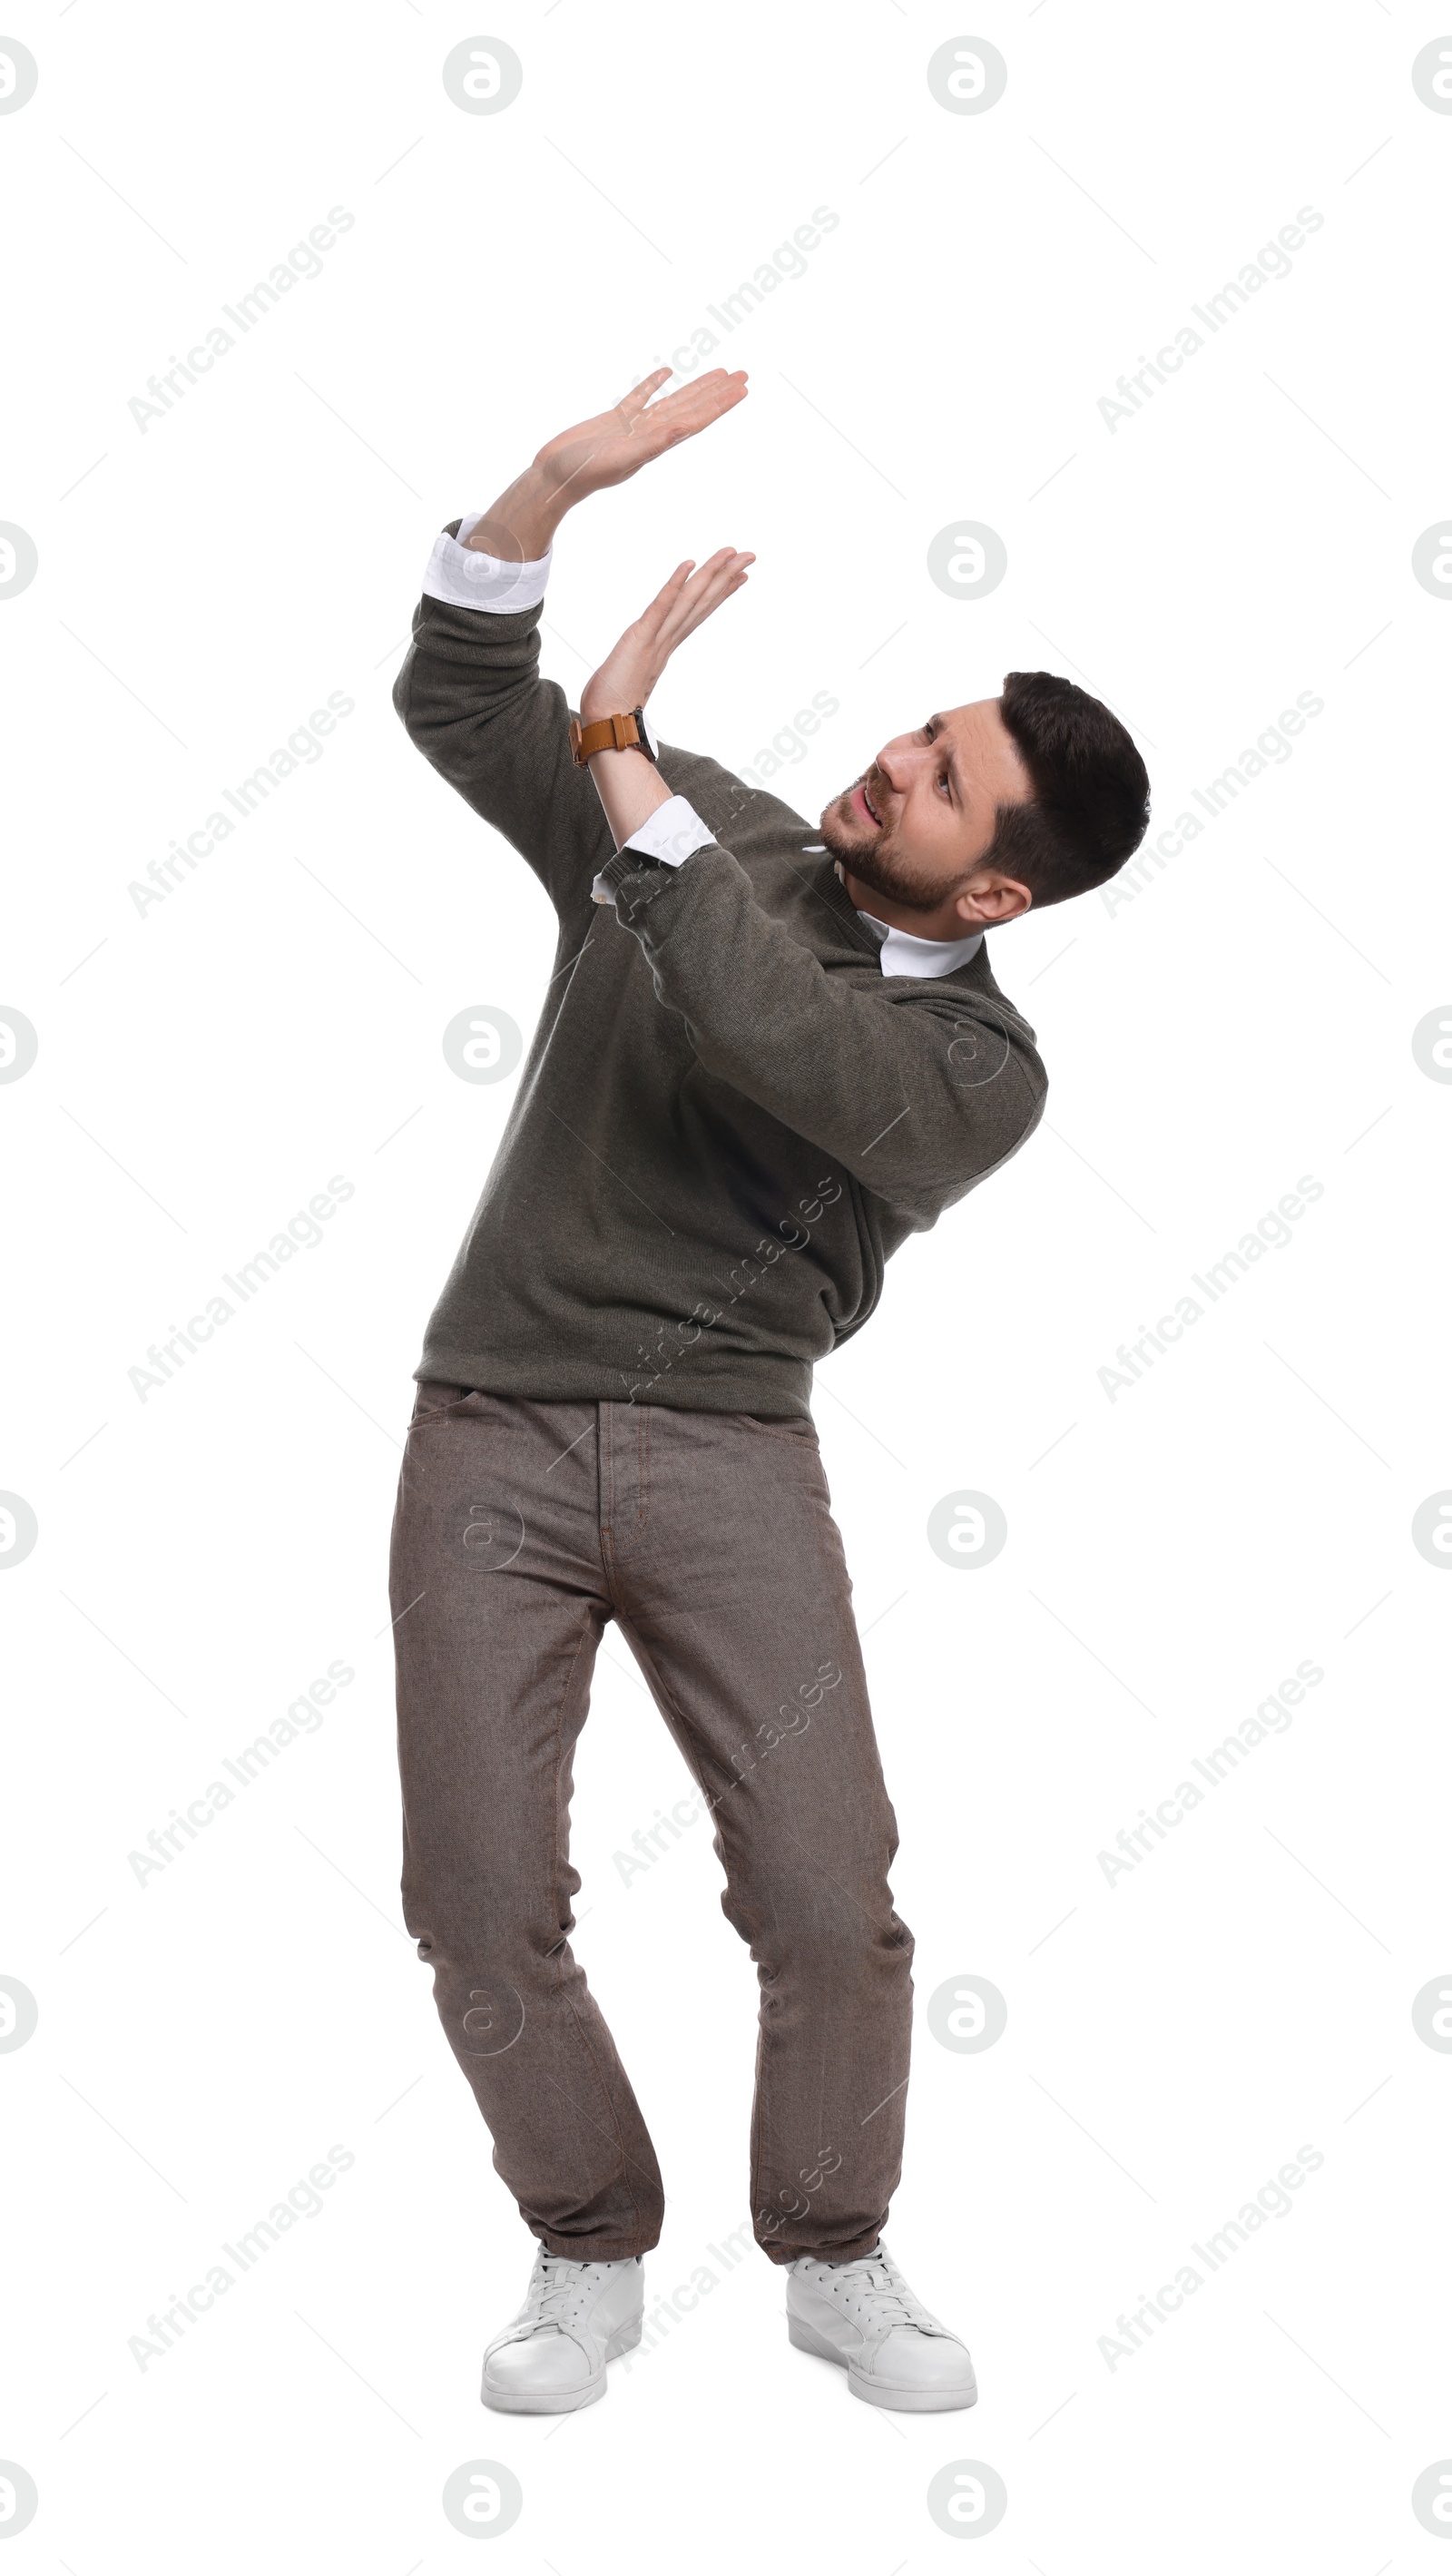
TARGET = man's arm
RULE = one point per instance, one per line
(472, 700)
(469, 691)
(598, 453)
(630, 788)
(917, 1093)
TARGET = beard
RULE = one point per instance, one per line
(872, 856)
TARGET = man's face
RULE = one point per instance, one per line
(916, 825)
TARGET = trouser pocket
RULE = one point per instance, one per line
(436, 1400)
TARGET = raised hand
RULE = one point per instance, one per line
(631, 669)
(615, 444)
(597, 453)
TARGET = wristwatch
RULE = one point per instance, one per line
(613, 733)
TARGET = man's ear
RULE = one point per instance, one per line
(990, 901)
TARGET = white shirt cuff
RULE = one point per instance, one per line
(464, 578)
(671, 832)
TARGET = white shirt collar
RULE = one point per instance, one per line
(905, 954)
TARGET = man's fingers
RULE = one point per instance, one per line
(639, 395)
(703, 392)
(677, 415)
(711, 578)
(597, 453)
(633, 403)
(684, 599)
(666, 596)
(685, 413)
(706, 607)
(695, 600)
(714, 564)
(720, 568)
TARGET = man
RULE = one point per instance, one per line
(766, 1055)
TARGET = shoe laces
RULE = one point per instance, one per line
(556, 2290)
(875, 2284)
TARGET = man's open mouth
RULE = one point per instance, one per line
(871, 808)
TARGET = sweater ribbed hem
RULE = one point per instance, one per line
(764, 1386)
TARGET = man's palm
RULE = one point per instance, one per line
(615, 444)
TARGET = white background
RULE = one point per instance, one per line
(204, 1068)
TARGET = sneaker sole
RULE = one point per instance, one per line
(876, 2392)
(568, 2401)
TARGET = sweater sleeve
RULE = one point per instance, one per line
(471, 698)
(917, 1091)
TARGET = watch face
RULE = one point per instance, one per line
(648, 729)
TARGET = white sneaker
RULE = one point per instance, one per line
(864, 2317)
(576, 2316)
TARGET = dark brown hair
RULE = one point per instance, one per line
(1090, 805)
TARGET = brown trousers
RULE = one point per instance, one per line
(521, 1529)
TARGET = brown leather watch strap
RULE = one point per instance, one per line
(611, 733)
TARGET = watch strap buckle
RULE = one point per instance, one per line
(609, 733)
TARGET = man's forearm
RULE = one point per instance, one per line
(597, 453)
(629, 787)
(519, 527)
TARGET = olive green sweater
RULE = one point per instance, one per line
(729, 1117)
